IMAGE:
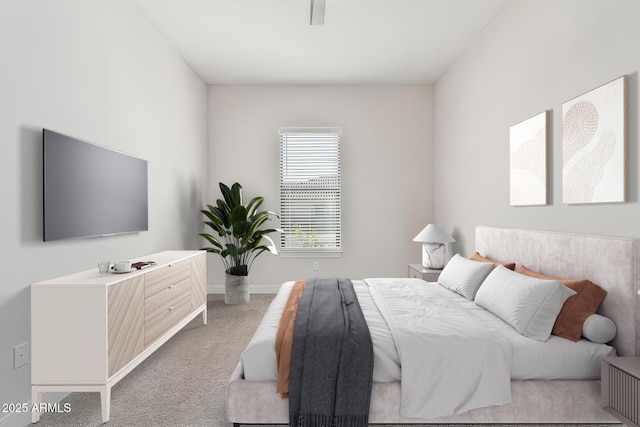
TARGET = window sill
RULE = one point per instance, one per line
(311, 254)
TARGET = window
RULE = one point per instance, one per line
(310, 192)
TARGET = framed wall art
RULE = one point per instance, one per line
(528, 161)
(594, 145)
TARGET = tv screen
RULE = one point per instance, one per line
(91, 190)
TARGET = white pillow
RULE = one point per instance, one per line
(599, 329)
(464, 276)
(528, 304)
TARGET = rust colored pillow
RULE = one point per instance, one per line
(576, 308)
(477, 257)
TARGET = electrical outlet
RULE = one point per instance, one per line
(20, 355)
(316, 266)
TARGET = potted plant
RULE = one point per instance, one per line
(238, 238)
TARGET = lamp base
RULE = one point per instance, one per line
(433, 255)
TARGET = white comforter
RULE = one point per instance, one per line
(552, 360)
(442, 347)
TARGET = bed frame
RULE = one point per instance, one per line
(611, 262)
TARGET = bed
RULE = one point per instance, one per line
(611, 262)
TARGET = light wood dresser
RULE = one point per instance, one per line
(89, 330)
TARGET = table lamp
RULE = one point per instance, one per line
(433, 239)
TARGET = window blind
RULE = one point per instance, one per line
(310, 191)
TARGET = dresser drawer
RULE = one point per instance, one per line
(165, 298)
(157, 280)
(166, 320)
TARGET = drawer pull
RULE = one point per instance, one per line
(172, 307)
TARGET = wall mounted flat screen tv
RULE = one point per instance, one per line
(91, 190)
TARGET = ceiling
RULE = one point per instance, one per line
(361, 41)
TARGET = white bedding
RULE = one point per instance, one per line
(444, 347)
(259, 358)
(556, 358)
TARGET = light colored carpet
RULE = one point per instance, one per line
(184, 382)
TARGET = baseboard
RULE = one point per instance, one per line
(257, 289)
(22, 419)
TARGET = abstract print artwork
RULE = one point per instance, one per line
(594, 145)
(528, 166)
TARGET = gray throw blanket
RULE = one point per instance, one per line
(331, 358)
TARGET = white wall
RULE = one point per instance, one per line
(534, 56)
(386, 169)
(98, 71)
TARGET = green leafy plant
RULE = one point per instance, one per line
(238, 238)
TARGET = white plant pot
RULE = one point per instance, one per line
(236, 289)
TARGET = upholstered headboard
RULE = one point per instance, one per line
(611, 262)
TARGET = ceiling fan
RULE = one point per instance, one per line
(317, 12)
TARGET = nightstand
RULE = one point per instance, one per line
(621, 388)
(417, 271)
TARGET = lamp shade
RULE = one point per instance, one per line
(433, 234)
